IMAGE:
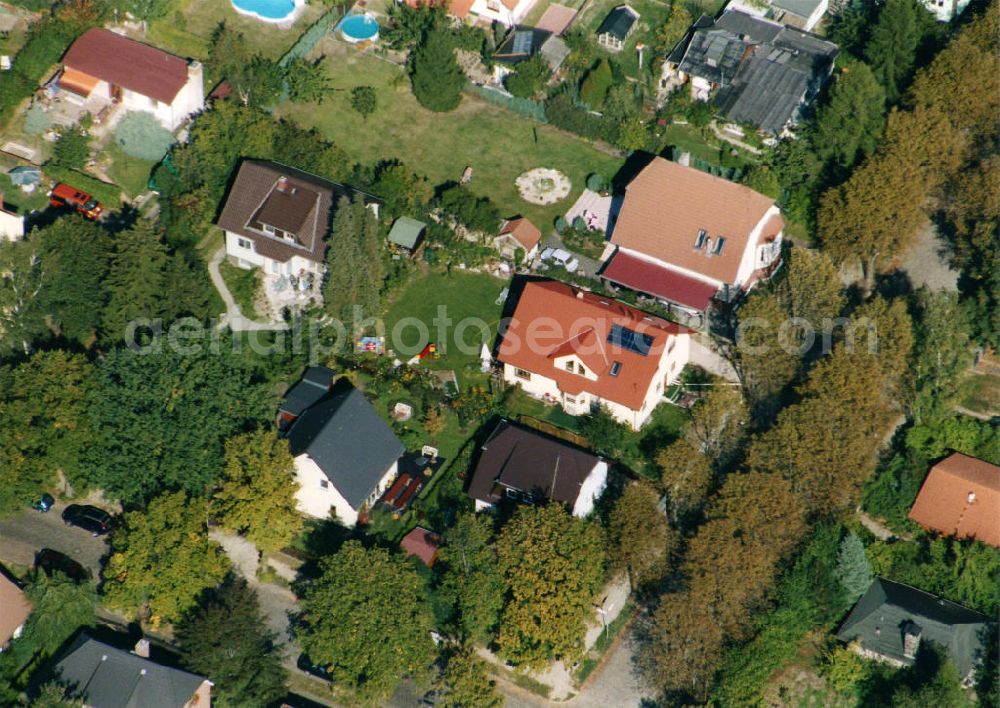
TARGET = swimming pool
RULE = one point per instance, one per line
(359, 28)
(268, 10)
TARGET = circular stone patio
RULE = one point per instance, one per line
(543, 185)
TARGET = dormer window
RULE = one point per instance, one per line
(699, 241)
(570, 366)
(268, 229)
(580, 370)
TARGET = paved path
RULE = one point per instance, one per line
(27, 532)
(588, 265)
(233, 317)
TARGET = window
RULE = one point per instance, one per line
(720, 241)
(659, 384)
(700, 239)
(570, 399)
(275, 267)
(616, 368)
(244, 243)
(325, 484)
(569, 366)
(580, 370)
(511, 493)
(267, 228)
(522, 374)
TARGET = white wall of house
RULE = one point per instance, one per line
(508, 245)
(610, 41)
(11, 224)
(672, 362)
(752, 254)
(318, 497)
(591, 490)
(945, 10)
(498, 12)
(241, 250)
(190, 99)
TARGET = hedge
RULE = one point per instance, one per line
(522, 106)
(310, 38)
(106, 193)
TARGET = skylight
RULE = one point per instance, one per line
(700, 239)
(616, 368)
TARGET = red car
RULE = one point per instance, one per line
(63, 196)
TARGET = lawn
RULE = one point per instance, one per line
(188, 30)
(496, 143)
(468, 297)
(129, 173)
(652, 14)
(243, 285)
(980, 393)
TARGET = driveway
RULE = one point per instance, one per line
(588, 265)
(25, 533)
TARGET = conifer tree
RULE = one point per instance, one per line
(853, 569)
(892, 48)
(434, 73)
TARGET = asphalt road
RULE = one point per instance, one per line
(27, 532)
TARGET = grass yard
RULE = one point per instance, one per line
(980, 393)
(244, 286)
(129, 173)
(652, 14)
(188, 30)
(462, 295)
(496, 143)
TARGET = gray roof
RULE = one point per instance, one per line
(766, 72)
(520, 45)
(314, 384)
(555, 52)
(619, 22)
(347, 439)
(802, 8)
(107, 677)
(879, 617)
(406, 232)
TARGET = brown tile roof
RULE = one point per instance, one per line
(961, 497)
(667, 204)
(289, 199)
(552, 318)
(124, 62)
(460, 8)
(515, 457)
(526, 233)
(423, 544)
(647, 277)
(14, 609)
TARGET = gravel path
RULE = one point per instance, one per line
(233, 318)
(926, 263)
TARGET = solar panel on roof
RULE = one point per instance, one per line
(629, 339)
(522, 42)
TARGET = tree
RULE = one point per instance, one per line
(633, 133)
(853, 569)
(811, 289)
(891, 50)
(355, 272)
(142, 136)
(718, 426)
(434, 422)
(477, 214)
(75, 255)
(687, 479)
(529, 77)
(60, 607)
(673, 30)
(364, 100)
(435, 77)
(366, 620)
(943, 352)
(465, 681)
(173, 412)
(307, 80)
(554, 566)
(42, 425)
(607, 436)
(848, 126)
(595, 85)
(257, 494)
(72, 149)
(408, 25)
(471, 577)
(136, 281)
(401, 188)
(55, 695)
(22, 321)
(641, 541)
(226, 639)
(162, 559)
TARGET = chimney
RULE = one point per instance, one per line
(684, 158)
(282, 185)
(579, 294)
(971, 498)
(911, 638)
(142, 648)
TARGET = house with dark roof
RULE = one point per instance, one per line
(314, 385)
(104, 676)
(801, 14)
(891, 620)
(102, 68)
(691, 239)
(961, 497)
(524, 466)
(616, 28)
(346, 456)
(756, 71)
(584, 351)
(277, 218)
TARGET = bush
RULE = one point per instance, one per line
(595, 85)
(597, 183)
(434, 74)
(529, 78)
(140, 135)
(563, 112)
(72, 149)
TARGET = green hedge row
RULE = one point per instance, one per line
(522, 106)
(106, 193)
(310, 37)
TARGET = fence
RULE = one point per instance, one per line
(310, 38)
(522, 106)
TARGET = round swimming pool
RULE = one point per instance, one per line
(359, 28)
(267, 10)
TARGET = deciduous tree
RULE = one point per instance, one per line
(554, 566)
(307, 80)
(465, 681)
(366, 619)
(364, 100)
(22, 321)
(226, 639)
(641, 540)
(686, 478)
(257, 494)
(162, 559)
(471, 576)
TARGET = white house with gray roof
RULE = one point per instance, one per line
(346, 456)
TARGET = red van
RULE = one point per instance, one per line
(63, 196)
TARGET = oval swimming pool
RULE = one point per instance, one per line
(359, 28)
(266, 10)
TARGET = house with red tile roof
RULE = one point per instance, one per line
(518, 234)
(105, 67)
(688, 238)
(585, 352)
(14, 610)
(961, 497)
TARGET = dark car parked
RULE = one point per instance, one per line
(95, 520)
(52, 561)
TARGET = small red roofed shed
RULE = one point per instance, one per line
(423, 544)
